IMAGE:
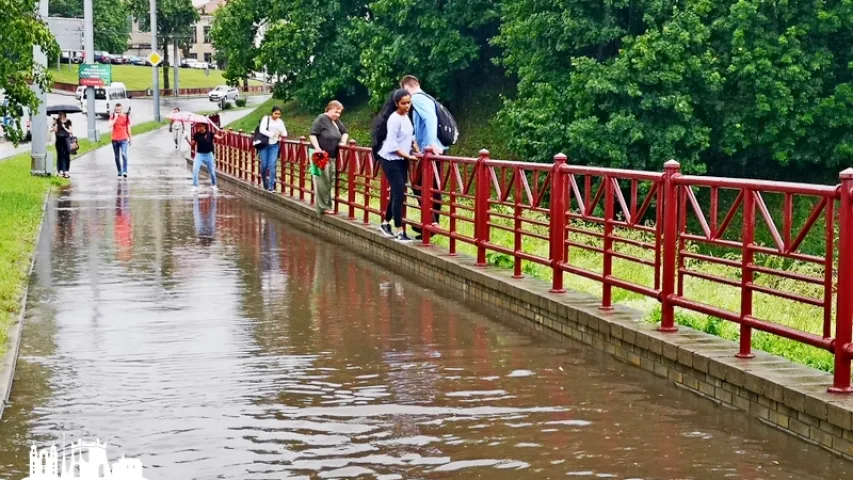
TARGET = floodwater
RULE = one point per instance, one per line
(210, 340)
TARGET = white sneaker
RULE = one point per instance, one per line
(193, 188)
(214, 189)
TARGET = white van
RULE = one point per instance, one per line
(106, 98)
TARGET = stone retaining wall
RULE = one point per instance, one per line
(783, 394)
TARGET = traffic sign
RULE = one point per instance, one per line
(154, 59)
(95, 74)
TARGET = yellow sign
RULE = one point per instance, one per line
(154, 59)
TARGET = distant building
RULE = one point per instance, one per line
(201, 46)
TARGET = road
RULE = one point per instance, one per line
(142, 110)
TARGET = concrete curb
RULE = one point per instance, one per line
(10, 359)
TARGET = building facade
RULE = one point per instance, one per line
(200, 46)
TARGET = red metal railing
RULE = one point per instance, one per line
(651, 220)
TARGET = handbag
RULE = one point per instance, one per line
(259, 140)
(73, 145)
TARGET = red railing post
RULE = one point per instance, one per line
(426, 195)
(229, 159)
(351, 160)
(481, 208)
(671, 170)
(746, 278)
(302, 147)
(607, 270)
(844, 299)
(557, 232)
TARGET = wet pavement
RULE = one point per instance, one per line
(211, 340)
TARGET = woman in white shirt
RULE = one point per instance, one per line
(273, 127)
(395, 154)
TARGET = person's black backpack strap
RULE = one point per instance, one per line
(448, 131)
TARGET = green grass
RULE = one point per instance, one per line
(478, 130)
(139, 78)
(21, 197)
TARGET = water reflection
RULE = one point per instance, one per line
(242, 348)
(204, 219)
(123, 227)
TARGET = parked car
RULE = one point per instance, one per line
(139, 61)
(201, 65)
(189, 63)
(223, 92)
(103, 57)
(117, 60)
(72, 56)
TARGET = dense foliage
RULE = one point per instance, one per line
(21, 29)
(741, 87)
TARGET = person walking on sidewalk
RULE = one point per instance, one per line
(394, 130)
(327, 133)
(203, 142)
(177, 129)
(121, 137)
(62, 131)
(272, 127)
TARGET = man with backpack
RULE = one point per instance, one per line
(435, 127)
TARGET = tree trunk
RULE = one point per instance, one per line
(165, 68)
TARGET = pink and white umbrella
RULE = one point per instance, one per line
(190, 117)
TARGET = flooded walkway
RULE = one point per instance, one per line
(211, 341)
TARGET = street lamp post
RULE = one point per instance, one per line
(39, 164)
(156, 77)
(89, 45)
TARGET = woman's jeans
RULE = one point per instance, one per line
(207, 160)
(395, 171)
(269, 160)
(63, 155)
(324, 185)
(120, 147)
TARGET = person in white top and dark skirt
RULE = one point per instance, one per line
(272, 126)
(395, 154)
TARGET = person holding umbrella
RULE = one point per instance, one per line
(62, 131)
(63, 135)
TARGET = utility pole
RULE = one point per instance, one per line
(39, 164)
(175, 64)
(89, 45)
(153, 22)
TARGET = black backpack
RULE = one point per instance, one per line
(448, 131)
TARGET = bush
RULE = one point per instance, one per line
(240, 102)
(227, 106)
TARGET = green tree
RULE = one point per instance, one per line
(433, 40)
(235, 27)
(22, 30)
(735, 87)
(176, 21)
(110, 20)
